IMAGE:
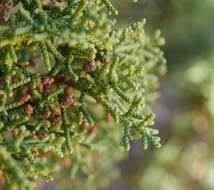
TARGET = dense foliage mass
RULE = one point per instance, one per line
(72, 86)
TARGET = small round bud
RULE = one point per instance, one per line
(84, 125)
(24, 98)
(29, 110)
(56, 116)
(5, 11)
(41, 134)
(104, 60)
(90, 130)
(89, 65)
(68, 101)
(47, 80)
(108, 117)
(46, 114)
(34, 60)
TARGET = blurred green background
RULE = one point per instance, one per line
(185, 110)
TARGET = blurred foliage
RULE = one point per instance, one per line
(186, 160)
(187, 25)
(186, 108)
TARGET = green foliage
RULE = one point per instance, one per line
(63, 67)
